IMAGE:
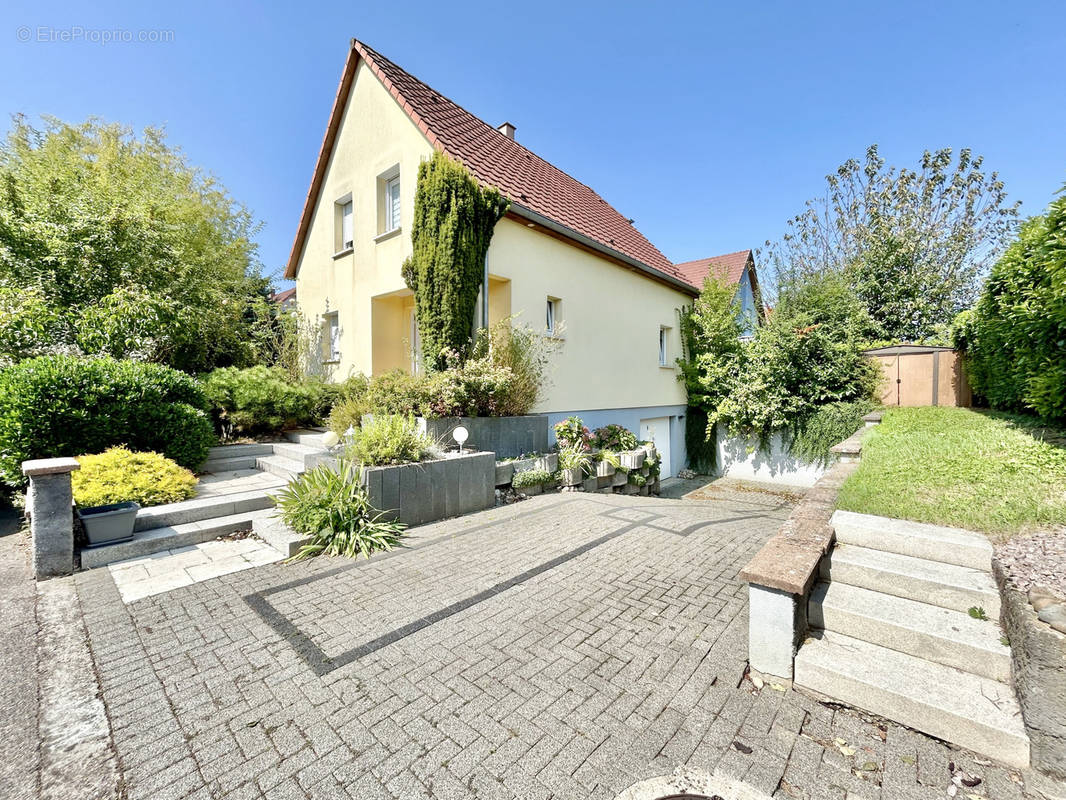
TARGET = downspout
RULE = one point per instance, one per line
(485, 293)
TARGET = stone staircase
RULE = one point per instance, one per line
(253, 473)
(892, 634)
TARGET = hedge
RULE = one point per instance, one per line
(59, 405)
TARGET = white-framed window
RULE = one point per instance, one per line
(664, 334)
(388, 201)
(331, 337)
(343, 236)
(551, 316)
(392, 204)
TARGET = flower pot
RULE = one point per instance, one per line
(110, 523)
(571, 477)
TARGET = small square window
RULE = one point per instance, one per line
(551, 318)
(331, 337)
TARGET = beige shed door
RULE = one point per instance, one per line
(657, 431)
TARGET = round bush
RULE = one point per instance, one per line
(64, 405)
(119, 475)
(260, 400)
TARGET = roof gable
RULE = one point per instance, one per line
(529, 181)
(728, 268)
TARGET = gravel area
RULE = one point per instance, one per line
(1038, 559)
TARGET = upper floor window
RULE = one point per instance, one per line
(392, 204)
(388, 201)
(664, 355)
(343, 237)
(551, 317)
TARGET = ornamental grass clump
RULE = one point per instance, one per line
(331, 505)
(119, 475)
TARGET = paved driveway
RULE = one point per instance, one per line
(564, 647)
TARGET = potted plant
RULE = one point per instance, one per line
(111, 487)
(574, 464)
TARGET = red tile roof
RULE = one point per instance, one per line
(281, 297)
(528, 180)
(728, 268)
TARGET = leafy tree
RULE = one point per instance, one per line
(454, 221)
(135, 252)
(1015, 337)
(912, 244)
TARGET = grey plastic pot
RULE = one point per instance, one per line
(110, 523)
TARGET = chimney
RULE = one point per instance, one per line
(507, 129)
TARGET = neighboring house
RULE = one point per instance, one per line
(286, 300)
(562, 260)
(733, 269)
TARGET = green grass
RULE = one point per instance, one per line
(988, 472)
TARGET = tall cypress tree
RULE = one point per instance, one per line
(454, 221)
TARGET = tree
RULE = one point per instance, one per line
(135, 253)
(1015, 337)
(454, 221)
(913, 245)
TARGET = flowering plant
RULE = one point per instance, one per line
(571, 432)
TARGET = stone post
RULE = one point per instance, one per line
(50, 506)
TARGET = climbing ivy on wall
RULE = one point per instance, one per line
(454, 221)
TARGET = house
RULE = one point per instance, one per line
(732, 269)
(285, 299)
(562, 260)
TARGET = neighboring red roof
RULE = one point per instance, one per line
(281, 297)
(728, 268)
(528, 180)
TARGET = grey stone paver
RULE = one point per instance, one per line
(564, 647)
(18, 664)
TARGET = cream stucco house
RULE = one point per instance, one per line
(562, 259)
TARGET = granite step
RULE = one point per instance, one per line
(202, 508)
(278, 535)
(232, 464)
(941, 635)
(308, 436)
(916, 539)
(281, 466)
(967, 710)
(933, 582)
(297, 452)
(169, 537)
(235, 450)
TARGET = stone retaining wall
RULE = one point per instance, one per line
(1038, 672)
(507, 437)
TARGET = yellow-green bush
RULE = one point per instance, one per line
(119, 475)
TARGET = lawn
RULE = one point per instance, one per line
(954, 466)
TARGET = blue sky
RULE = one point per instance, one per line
(708, 123)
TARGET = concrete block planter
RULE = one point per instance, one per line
(507, 437)
(504, 473)
(604, 469)
(432, 490)
(590, 484)
(620, 478)
(110, 523)
(633, 460)
(571, 477)
(531, 491)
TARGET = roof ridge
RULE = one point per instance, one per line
(375, 54)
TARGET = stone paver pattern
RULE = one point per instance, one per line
(564, 647)
(166, 570)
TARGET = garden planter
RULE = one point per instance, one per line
(504, 473)
(531, 491)
(604, 469)
(110, 523)
(649, 449)
(590, 484)
(571, 477)
(620, 478)
(633, 460)
(507, 437)
(548, 463)
(431, 490)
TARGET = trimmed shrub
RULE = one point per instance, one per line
(389, 439)
(397, 392)
(478, 388)
(118, 475)
(260, 400)
(54, 406)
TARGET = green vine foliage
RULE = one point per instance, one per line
(1015, 338)
(453, 225)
